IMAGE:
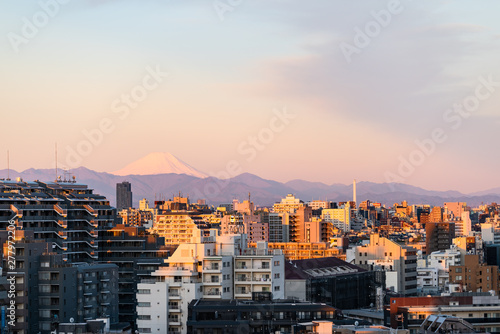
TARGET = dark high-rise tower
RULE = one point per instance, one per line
(123, 195)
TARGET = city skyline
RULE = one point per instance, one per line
(323, 91)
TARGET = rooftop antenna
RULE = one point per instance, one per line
(56, 161)
(8, 166)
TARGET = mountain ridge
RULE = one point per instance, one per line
(263, 192)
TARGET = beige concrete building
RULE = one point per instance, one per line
(288, 204)
(398, 261)
(340, 218)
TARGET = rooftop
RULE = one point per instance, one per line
(320, 267)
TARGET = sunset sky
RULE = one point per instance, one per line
(233, 69)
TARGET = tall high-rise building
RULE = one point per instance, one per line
(123, 195)
(439, 236)
(436, 215)
(354, 191)
(455, 208)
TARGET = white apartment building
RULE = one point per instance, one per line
(259, 270)
(490, 233)
(208, 268)
(444, 259)
(427, 279)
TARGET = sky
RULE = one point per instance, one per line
(321, 90)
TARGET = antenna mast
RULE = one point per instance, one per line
(56, 163)
(8, 166)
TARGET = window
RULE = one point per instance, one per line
(43, 275)
(144, 291)
(144, 330)
(144, 304)
(458, 270)
(45, 264)
(277, 275)
(143, 317)
(44, 301)
(44, 288)
(44, 313)
(265, 265)
(277, 288)
(276, 263)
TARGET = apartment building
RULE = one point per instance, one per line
(289, 204)
(398, 261)
(490, 233)
(123, 195)
(439, 235)
(440, 263)
(251, 225)
(340, 218)
(137, 254)
(474, 276)
(260, 315)
(208, 268)
(178, 227)
(306, 250)
(66, 214)
(49, 290)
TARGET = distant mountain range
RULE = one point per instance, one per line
(162, 175)
(263, 192)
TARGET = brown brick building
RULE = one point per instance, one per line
(475, 276)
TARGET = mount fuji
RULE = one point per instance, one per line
(159, 163)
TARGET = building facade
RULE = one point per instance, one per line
(123, 195)
(398, 261)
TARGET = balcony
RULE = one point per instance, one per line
(242, 267)
(174, 309)
(211, 269)
(174, 322)
(212, 294)
(174, 296)
(242, 294)
(261, 279)
(243, 279)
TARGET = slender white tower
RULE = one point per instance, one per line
(354, 191)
